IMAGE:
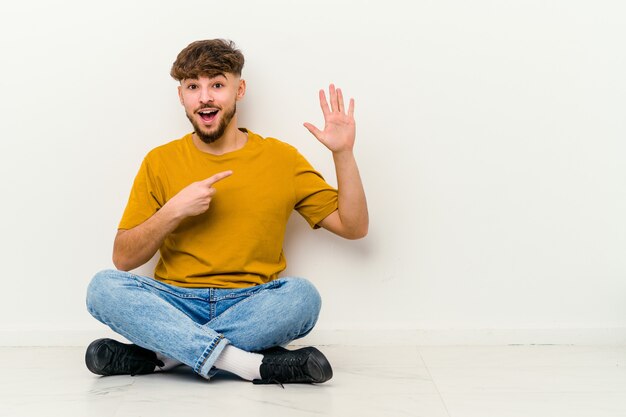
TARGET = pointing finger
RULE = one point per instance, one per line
(217, 177)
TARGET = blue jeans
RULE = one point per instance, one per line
(193, 325)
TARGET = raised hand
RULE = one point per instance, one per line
(339, 126)
(196, 198)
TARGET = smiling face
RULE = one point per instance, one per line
(211, 103)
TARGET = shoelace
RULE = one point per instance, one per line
(273, 380)
(129, 362)
(289, 368)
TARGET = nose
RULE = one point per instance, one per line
(205, 96)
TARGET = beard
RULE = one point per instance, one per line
(210, 137)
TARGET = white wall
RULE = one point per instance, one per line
(491, 141)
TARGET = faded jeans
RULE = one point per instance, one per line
(193, 325)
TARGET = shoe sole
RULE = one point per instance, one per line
(318, 367)
(91, 355)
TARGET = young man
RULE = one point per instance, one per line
(215, 203)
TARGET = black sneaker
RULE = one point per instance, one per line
(109, 357)
(282, 366)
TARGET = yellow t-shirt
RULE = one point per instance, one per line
(238, 241)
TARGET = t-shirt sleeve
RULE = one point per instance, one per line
(144, 200)
(315, 198)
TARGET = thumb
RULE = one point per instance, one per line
(314, 131)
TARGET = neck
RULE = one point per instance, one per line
(233, 139)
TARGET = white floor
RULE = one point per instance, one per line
(528, 381)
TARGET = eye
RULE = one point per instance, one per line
(218, 85)
(192, 86)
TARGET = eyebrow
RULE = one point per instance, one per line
(219, 76)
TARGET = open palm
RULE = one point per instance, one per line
(339, 126)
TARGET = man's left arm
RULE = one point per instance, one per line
(351, 219)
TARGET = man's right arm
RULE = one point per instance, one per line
(134, 247)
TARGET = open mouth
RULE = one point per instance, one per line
(208, 115)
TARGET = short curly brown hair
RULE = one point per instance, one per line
(208, 58)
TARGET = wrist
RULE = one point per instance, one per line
(171, 213)
(343, 154)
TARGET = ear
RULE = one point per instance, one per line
(180, 94)
(241, 90)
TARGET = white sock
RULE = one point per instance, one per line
(169, 363)
(244, 364)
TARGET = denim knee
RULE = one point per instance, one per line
(304, 302)
(100, 290)
(305, 293)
